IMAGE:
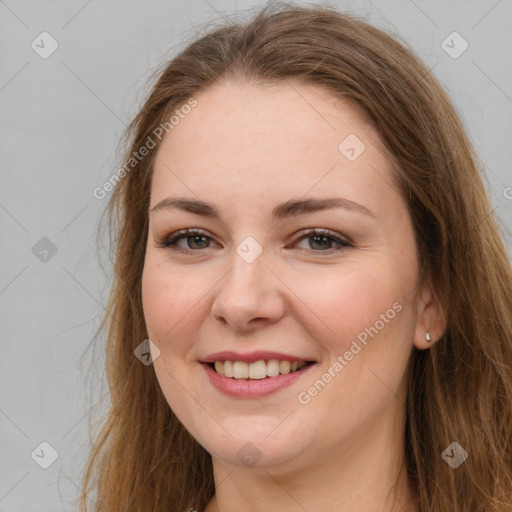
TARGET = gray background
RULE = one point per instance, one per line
(62, 118)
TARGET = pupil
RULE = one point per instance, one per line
(316, 238)
(197, 237)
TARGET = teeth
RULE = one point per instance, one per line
(257, 370)
(227, 368)
(273, 368)
(240, 370)
(219, 367)
(284, 367)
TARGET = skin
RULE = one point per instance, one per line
(245, 149)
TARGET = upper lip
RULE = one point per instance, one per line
(258, 355)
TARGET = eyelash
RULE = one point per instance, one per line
(170, 241)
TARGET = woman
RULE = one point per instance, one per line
(303, 234)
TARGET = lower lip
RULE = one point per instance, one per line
(253, 388)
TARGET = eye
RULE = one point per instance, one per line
(194, 239)
(323, 239)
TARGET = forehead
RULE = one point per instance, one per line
(266, 139)
(291, 113)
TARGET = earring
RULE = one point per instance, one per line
(427, 336)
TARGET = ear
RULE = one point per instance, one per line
(430, 318)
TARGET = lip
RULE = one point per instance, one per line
(228, 355)
(257, 388)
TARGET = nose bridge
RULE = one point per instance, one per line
(247, 279)
(248, 290)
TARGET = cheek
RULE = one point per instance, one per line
(353, 298)
(367, 321)
(166, 300)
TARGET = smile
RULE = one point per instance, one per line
(251, 383)
(256, 370)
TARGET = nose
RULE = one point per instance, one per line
(249, 296)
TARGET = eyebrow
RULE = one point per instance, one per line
(290, 208)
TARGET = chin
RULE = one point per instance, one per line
(253, 446)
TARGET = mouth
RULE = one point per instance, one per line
(262, 369)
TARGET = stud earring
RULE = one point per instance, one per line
(427, 336)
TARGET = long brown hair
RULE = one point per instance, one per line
(143, 459)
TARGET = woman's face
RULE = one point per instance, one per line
(255, 165)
